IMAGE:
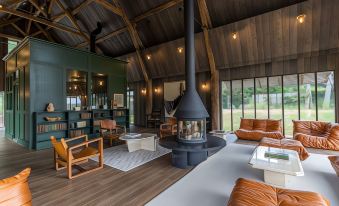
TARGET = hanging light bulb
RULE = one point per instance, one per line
(234, 35)
(301, 18)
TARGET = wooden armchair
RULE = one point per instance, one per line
(68, 156)
(168, 128)
(110, 130)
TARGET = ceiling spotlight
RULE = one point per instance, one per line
(234, 35)
(180, 49)
(301, 18)
(148, 57)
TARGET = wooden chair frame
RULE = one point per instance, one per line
(114, 131)
(70, 163)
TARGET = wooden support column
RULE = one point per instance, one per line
(215, 87)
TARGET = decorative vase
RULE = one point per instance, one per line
(50, 107)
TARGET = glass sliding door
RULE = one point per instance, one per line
(275, 97)
(248, 101)
(290, 102)
(326, 96)
(226, 106)
(307, 96)
(237, 110)
(261, 98)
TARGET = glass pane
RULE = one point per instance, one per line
(307, 96)
(236, 103)
(275, 92)
(326, 96)
(248, 90)
(11, 45)
(76, 89)
(226, 105)
(290, 102)
(261, 98)
(191, 130)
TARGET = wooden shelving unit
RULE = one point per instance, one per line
(74, 123)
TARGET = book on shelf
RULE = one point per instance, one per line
(80, 124)
(76, 133)
(119, 113)
(51, 127)
(85, 115)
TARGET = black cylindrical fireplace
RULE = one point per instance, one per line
(191, 113)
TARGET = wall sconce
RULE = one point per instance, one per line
(301, 18)
(180, 49)
(0, 6)
(143, 91)
(148, 56)
(234, 35)
(157, 90)
(101, 83)
(204, 86)
(75, 87)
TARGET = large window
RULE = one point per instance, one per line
(248, 98)
(130, 105)
(261, 98)
(325, 96)
(11, 45)
(309, 96)
(226, 105)
(237, 102)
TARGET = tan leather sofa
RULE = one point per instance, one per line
(248, 192)
(315, 134)
(335, 163)
(14, 191)
(256, 129)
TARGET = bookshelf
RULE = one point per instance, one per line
(73, 123)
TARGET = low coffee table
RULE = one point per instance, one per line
(277, 172)
(145, 141)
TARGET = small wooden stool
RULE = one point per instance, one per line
(286, 144)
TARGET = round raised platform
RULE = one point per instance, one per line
(185, 154)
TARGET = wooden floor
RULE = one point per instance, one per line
(108, 186)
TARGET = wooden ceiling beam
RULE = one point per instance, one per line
(50, 6)
(40, 20)
(8, 22)
(72, 19)
(76, 10)
(47, 35)
(36, 5)
(8, 36)
(135, 39)
(109, 6)
(29, 24)
(215, 90)
(18, 29)
(156, 10)
(149, 13)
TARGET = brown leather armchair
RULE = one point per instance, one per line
(256, 129)
(316, 134)
(168, 128)
(335, 163)
(249, 192)
(14, 191)
(110, 130)
(66, 156)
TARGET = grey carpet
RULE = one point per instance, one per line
(118, 157)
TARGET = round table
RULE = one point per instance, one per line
(185, 155)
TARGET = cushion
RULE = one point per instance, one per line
(286, 144)
(251, 193)
(259, 124)
(246, 124)
(335, 163)
(257, 135)
(15, 190)
(60, 148)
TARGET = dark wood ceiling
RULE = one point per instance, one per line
(155, 29)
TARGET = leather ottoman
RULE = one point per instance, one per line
(251, 193)
(286, 144)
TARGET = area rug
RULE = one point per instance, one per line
(118, 157)
(215, 179)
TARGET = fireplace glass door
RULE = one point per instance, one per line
(191, 130)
